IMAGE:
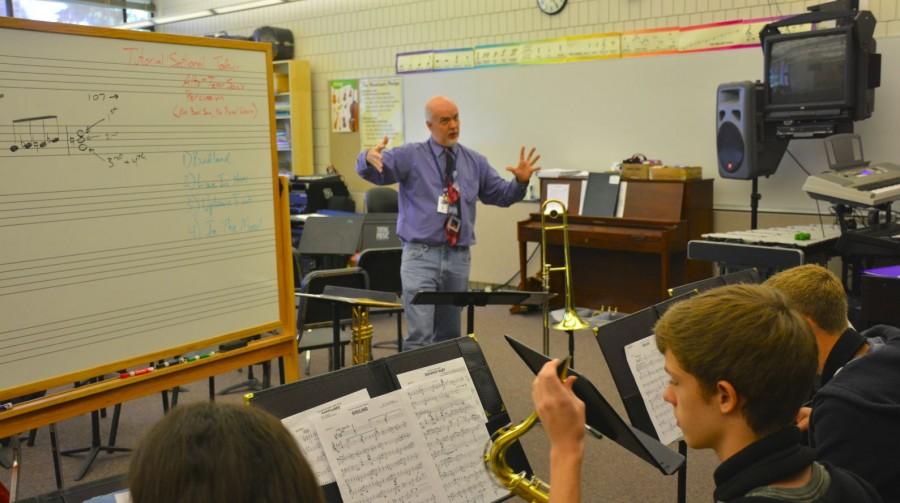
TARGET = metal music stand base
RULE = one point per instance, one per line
(682, 473)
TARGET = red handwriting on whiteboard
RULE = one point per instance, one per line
(192, 97)
(194, 81)
(223, 63)
(138, 56)
(181, 111)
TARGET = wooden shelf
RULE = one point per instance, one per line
(299, 96)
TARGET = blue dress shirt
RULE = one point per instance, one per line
(419, 169)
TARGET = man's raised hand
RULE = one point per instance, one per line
(373, 156)
(526, 166)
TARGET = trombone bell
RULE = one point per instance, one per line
(571, 321)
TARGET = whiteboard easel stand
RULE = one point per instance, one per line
(60, 406)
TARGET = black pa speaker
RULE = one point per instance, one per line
(742, 149)
(282, 41)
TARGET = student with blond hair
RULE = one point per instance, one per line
(741, 363)
(854, 419)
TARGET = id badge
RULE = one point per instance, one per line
(453, 224)
(443, 205)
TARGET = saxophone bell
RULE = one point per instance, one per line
(531, 489)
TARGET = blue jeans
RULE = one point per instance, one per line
(432, 268)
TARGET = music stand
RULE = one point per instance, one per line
(613, 339)
(470, 299)
(97, 446)
(359, 300)
(602, 419)
(330, 239)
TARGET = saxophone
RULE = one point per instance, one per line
(531, 489)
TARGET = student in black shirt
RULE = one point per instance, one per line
(854, 421)
(741, 363)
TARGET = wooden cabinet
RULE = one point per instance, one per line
(293, 116)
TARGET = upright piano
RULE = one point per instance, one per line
(628, 262)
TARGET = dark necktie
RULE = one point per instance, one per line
(453, 223)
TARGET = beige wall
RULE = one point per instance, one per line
(359, 39)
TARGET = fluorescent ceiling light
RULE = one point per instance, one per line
(182, 17)
(137, 25)
(245, 6)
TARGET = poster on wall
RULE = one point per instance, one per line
(382, 111)
(344, 106)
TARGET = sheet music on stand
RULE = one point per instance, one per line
(420, 437)
(637, 368)
(648, 368)
(602, 419)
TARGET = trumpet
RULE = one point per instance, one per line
(553, 209)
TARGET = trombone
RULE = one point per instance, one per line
(553, 209)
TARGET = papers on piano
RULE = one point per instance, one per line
(423, 442)
(562, 173)
(863, 185)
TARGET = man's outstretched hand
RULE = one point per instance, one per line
(526, 166)
(373, 156)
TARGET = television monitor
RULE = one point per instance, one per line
(823, 75)
(809, 72)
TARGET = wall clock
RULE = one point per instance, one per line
(551, 7)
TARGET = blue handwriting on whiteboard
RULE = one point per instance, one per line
(199, 158)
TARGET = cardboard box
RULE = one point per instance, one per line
(676, 173)
(635, 171)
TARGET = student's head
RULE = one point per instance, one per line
(739, 360)
(220, 452)
(817, 293)
(442, 119)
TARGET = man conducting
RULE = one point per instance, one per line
(440, 182)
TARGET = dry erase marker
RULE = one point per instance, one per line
(138, 372)
(174, 361)
(200, 357)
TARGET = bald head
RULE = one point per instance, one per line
(442, 119)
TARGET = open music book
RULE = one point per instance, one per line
(447, 402)
(423, 442)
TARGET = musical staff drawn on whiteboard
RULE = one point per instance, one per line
(138, 206)
(34, 139)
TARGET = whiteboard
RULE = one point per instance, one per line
(589, 115)
(137, 205)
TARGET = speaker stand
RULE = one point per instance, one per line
(755, 196)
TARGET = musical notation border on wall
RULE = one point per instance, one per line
(724, 35)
